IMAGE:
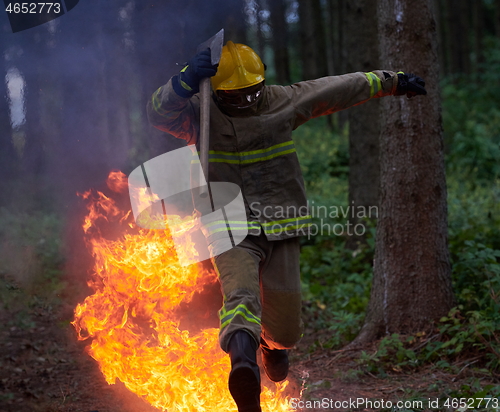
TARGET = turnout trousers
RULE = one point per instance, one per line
(260, 282)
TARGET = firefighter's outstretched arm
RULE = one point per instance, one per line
(330, 94)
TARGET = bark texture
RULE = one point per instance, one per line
(412, 275)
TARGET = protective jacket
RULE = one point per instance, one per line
(254, 149)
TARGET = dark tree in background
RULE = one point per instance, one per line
(463, 27)
(7, 152)
(497, 18)
(335, 32)
(361, 45)
(8, 155)
(312, 40)
(458, 14)
(87, 76)
(280, 41)
(412, 274)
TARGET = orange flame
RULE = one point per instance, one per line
(117, 181)
(131, 317)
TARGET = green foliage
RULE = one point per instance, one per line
(476, 275)
(457, 337)
(337, 280)
(31, 255)
(344, 328)
(391, 354)
(474, 213)
(337, 276)
(471, 118)
(324, 157)
(474, 239)
(472, 123)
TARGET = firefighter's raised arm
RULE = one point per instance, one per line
(187, 82)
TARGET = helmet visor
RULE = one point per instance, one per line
(241, 98)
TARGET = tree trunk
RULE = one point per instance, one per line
(261, 43)
(28, 135)
(319, 41)
(477, 23)
(160, 59)
(412, 279)
(459, 41)
(8, 156)
(336, 32)
(445, 37)
(280, 41)
(234, 25)
(116, 74)
(466, 7)
(364, 121)
(343, 116)
(497, 18)
(306, 30)
(312, 36)
(331, 34)
(441, 33)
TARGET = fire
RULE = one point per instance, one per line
(133, 319)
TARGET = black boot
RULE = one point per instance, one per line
(275, 362)
(244, 379)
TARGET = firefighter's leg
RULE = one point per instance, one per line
(244, 378)
(281, 299)
(238, 271)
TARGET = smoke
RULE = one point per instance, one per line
(73, 96)
(86, 78)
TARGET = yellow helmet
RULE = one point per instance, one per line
(239, 67)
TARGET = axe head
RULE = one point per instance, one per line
(214, 44)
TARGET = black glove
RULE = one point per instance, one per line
(187, 82)
(410, 84)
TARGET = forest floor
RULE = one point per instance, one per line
(43, 368)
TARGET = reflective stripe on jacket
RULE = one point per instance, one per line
(256, 151)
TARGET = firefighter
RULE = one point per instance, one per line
(251, 145)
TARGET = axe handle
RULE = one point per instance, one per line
(204, 129)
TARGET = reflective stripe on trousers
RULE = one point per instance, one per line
(260, 281)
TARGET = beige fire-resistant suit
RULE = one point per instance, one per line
(253, 148)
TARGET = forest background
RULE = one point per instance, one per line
(72, 108)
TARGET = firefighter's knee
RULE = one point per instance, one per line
(283, 338)
(281, 318)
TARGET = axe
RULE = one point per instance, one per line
(214, 45)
